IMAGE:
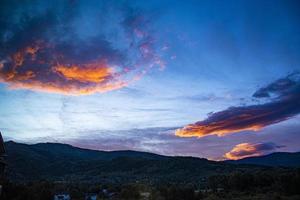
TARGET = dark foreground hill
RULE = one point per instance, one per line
(61, 162)
(279, 159)
(39, 171)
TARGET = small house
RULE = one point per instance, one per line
(107, 194)
(91, 196)
(62, 197)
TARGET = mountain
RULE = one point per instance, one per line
(278, 159)
(60, 162)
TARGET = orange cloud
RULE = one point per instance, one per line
(242, 150)
(75, 79)
(237, 119)
(194, 130)
(245, 150)
(94, 73)
(68, 89)
(254, 117)
(40, 67)
(50, 55)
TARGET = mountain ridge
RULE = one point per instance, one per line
(130, 153)
(61, 162)
(110, 154)
(276, 159)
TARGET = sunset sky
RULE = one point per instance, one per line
(214, 79)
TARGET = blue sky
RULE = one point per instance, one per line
(205, 57)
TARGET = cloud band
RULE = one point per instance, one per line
(235, 119)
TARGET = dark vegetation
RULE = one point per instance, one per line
(277, 185)
(278, 159)
(59, 162)
(37, 172)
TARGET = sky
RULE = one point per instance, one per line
(213, 79)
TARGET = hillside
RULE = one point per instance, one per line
(278, 159)
(61, 162)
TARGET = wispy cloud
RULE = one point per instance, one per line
(244, 150)
(283, 105)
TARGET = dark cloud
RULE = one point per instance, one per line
(278, 87)
(74, 48)
(254, 117)
(244, 150)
